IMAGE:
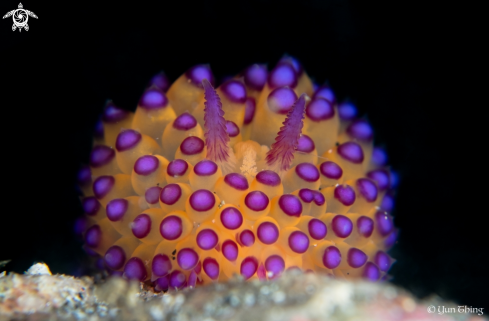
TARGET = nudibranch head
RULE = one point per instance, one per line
(257, 176)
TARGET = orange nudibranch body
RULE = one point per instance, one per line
(255, 177)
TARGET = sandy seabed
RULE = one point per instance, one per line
(295, 296)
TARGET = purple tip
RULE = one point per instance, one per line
(356, 258)
(177, 167)
(93, 236)
(388, 202)
(161, 81)
(127, 139)
(384, 223)
(146, 165)
(345, 194)
(250, 107)
(90, 205)
(177, 280)
(234, 90)
(381, 177)
(171, 227)
(198, 73)
(152, 194)
(319, 199)
(317, 229)
(231, 218)
(367, 189)
(347, 111)
(81, 224)
(391, 239)
(371, 272)
(84, 176)
(281, 100)
(170, 194)
(274, 264)
(315, 86)
(361, 130)
(255, 76)
(211, 268)
(298, 242)
(134, 269)
(207, 239)
(236, 181)
(184, 122)
(205, 168)
(162, 284)
(352, 152)
(256, 201)
(248, 267)
(294, 63)
(101, 155)
(102, 186)
(325, 92)
(331, 257)
(320, 109)
(202, 200)
(116, 209)
(307, 172)
(365, 226)
(198, 268)
(115, 257)
(267, 233)
(230, 250)
(113, 114)
(192, 145)
(383, 261)
(141, 226)
(161, 265)
(261, 272)
(290, 205)
(379, 156)
(99, 130)
(282, 75)
(187, 259)
(306, 144)
(268, 178)
(232, 129)
(306, 195)
(247, 238)
(342, 226)
(395, 179)
(153, 98)
(331, 170)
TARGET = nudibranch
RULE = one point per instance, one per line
(265, 173)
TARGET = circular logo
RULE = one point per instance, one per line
(20, 17)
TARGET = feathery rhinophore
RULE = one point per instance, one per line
(281, 154)
(216, 137)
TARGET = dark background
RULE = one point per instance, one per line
(401, 62)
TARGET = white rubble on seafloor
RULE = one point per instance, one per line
(295, 296)
(39, 269)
